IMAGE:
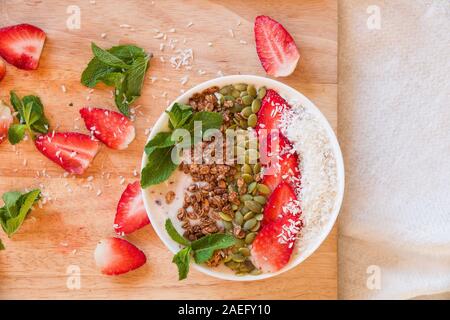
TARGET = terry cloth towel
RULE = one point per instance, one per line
(394, 129)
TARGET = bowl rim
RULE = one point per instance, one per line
(286, 91)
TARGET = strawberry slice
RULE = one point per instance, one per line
(73, 151)
(282, 201)
(275, 47)
(273, 246)
(2, 69)
(110, 127)
(116, 256)
(272, 108)
(283, 167)
(21, 45)
(131, 214)
(5, 120)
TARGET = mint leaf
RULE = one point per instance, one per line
(17, 206)
(161, 140)
(16, 133)
(173, 233)
(113, 79)
(179, 114)
(95, 72)
(108, 58)
(128, 53)
(159, 167)
(208, 120)
(204, 247)
(182, 259)
(2, 247)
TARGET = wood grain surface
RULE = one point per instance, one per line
(66, 230)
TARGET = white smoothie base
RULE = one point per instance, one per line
(178, 182)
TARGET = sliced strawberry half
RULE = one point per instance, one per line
(283, 201)
(73, 151)
(273, 246)
(276, 48)
(21, 45)
(5, 120)
(272, 108)
(131, 214)
(110, 127)
(2, 69)
(116, 256)
(284, 167)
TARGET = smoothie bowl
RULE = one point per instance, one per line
(244, 176)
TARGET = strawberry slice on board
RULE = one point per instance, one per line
(21, 45)
(283, 201)
(130, 214)
(2, 69)
(73, 151)
(274, 244)
(284, 167)
(6, 119)
(110, 127)
(276, 48)
(116, 256)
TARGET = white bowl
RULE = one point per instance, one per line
(154, 211)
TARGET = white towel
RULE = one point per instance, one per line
(394, 129)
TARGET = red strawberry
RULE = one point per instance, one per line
(5, 121)
(275, 47)
(110, 127)
(116, 256)
(272, 145)
(282, 201)
(273, 246)
(21, 45)
(282, 167)
(2, 69)
(71, 150)
(131, 214)
(272, 108)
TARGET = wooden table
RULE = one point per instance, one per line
(65, 231)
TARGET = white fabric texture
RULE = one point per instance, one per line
(394, 130)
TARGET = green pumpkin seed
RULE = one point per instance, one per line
(260, 199)
(239, 243)
(219, 97)
(256, 227)
(240, 86)
(255, 272)
(246, 169)
(244, 251)
(259, 217)
(249, 215)
(256, 105)
(241, 274)
(244, 210)
(251, 90)
(247, 177)
(243, 124)
(227, 258)
(225, 90)
(233, 265)
(243, 93)
(245, 197)
(247, 100)
(237, 108)
(257, 168)
(249, 224)
(253, 206)
(246, 112)
(228, 98)
(261, 92)
(252, 120)
(250, 237)
(225, 216)
(252, 187)
(238, 218)
(235, 93)
(238, 257)
(251, 156)
(227, 225)
(263, 189)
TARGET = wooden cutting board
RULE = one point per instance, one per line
(61, 237)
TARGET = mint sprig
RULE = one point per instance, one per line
(122, 67)
(16, 208)
(30, 113)
(202, 249)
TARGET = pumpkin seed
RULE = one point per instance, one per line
(246, 112)
(259, 217)
(249, 215)
(219, 97)
(252, 120)
(250, 237)
(238, 257)
(238, 218)
(249, 224)
(247, 177)
(251, 90)
(243, 93)
(233, 265)
(255, 272)
(225, 216)
(235, 94)
(240, 86)
(244, 251)
(246, 169)
(256, 227)
(243, 124)
(228, 98)
(225, 90)
(257, 168)
(252, 187)
(241, 274)
(263, 189)
(251, 156)
(260, 199)
(256, 105)
(237, 108)
(244, 210)
(245, 197)
(253, 206)
(261, 92)
(239, 243)
(227, 258)
(227, 225)
(247, 100)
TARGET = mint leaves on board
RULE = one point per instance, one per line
(16, 208)
(160, 166)
(122, 67)
(30, 113)
(203, 249)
